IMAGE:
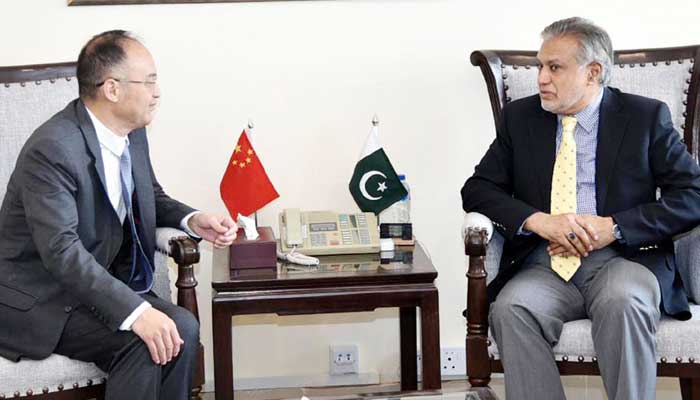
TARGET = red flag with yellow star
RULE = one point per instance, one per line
(245, 187)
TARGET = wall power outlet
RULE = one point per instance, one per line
(453, 362)
(344, 359)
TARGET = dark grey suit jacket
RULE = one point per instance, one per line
(59, 233)
(638, 151)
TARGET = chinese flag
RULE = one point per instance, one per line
(245, 187)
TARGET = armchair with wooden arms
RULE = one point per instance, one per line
(29, 95)
(667, 74)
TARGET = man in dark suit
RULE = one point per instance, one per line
(571, 183)
(77, 234)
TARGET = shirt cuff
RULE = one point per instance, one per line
(523, 231)
(126, 325)
(186, 227)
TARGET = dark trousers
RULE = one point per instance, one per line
(125, 358)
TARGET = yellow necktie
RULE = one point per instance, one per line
(563, 199)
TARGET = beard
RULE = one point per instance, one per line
(547, 106)
(558, 106)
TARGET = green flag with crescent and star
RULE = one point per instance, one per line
(374, 184)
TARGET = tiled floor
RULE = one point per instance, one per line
(297, 393)
(576, 387)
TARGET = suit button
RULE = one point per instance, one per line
(67, 309)
(93, 308)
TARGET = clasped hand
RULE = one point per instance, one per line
(590, 232)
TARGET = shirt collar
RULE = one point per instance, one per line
(588, 117)
(108, 139)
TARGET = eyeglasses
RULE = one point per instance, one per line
(149, 84)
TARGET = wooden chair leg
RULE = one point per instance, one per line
(690, 388)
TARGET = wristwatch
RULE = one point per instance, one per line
(617, 234)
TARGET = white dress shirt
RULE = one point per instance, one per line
(112, 146)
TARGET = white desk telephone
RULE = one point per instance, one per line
(326, 232)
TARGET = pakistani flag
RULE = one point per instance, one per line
(374, 184)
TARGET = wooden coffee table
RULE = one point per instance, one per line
(347, 283)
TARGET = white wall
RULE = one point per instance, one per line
(311, 74)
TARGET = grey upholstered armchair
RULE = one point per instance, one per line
(29, 95)
(667, 74)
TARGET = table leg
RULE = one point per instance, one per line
(407, 332)
(223, 353)
(430, 341)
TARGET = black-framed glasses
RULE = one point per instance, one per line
(149, 84)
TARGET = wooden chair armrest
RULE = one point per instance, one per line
(185, 252)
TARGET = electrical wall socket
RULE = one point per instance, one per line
(344, 359)
(453, 362)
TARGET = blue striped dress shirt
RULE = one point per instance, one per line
(586, 138)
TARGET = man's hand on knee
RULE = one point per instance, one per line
(160, 334)
(562, 230)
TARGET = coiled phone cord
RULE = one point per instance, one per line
(298, 258)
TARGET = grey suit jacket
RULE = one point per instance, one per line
(59, 233)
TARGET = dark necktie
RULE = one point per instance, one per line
(141, 275)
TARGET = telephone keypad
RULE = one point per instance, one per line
(362, 221)
(319, 239)
(364, 237)
(347, 237)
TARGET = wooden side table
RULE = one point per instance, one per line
(348, 283)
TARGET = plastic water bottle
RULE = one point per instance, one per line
(399, 212)
(404, 205)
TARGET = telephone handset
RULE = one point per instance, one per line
(326, 232)
(292, 233)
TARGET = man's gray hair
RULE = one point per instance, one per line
(594, 43)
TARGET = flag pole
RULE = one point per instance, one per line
(375, 123)
(251, 125)
(249, 131)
